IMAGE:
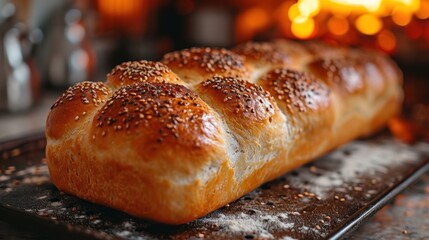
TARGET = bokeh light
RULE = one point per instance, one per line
(368, 24)
(377, 23)
(303, 27)
(338, 25)
(386, 41)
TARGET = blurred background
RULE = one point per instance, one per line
(48, 45)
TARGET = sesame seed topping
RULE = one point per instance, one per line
(140, 71)
(240, 96)
(262, 52)
(165, 108)
(208, 59)
(343, 72)
(86, 92)
(297, 89)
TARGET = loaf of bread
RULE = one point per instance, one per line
(171, 141)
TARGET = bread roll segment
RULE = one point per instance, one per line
(173, 141)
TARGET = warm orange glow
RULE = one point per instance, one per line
(293, 12)
(127, 16)
(246, 23)
(281, 13)
(368, 5)
(300, 19)
(386, 40)
(281, 17)
(338, 25)
(423, 11)
(117, 8)
(308, 8)
(426, 32)
(403, 129)
(410, 5)
(414, 30)
(400, 17)
(303, 27)
(368, 24)
(376, 7)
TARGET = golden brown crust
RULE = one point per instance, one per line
(238, 98)
(345, 74)
(323, 50)
(160, 116)
(140, 71)
(197, 64)
(263, 53)
(147, 144)
(307, 102)
(298, 90)
(76, 104)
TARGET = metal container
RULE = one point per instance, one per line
(19, 78)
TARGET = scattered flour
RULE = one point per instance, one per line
(34, 170)
(355, 159)
(258, 224)
(4, 178)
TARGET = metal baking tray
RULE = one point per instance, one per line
(327, 198)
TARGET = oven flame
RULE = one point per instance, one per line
(344, 20)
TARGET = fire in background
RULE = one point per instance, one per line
(373, 23)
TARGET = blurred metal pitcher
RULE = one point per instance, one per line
(19, 79)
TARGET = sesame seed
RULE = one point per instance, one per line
(76, 118)
(209, 60)
(262, 52)
(144, 104)
(139, 71)
(242, 96)
(293, 87)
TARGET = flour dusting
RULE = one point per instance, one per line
(356, 159)
(259, 224)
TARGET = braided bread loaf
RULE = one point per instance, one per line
(173, 141)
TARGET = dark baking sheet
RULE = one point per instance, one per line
(325, 199)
